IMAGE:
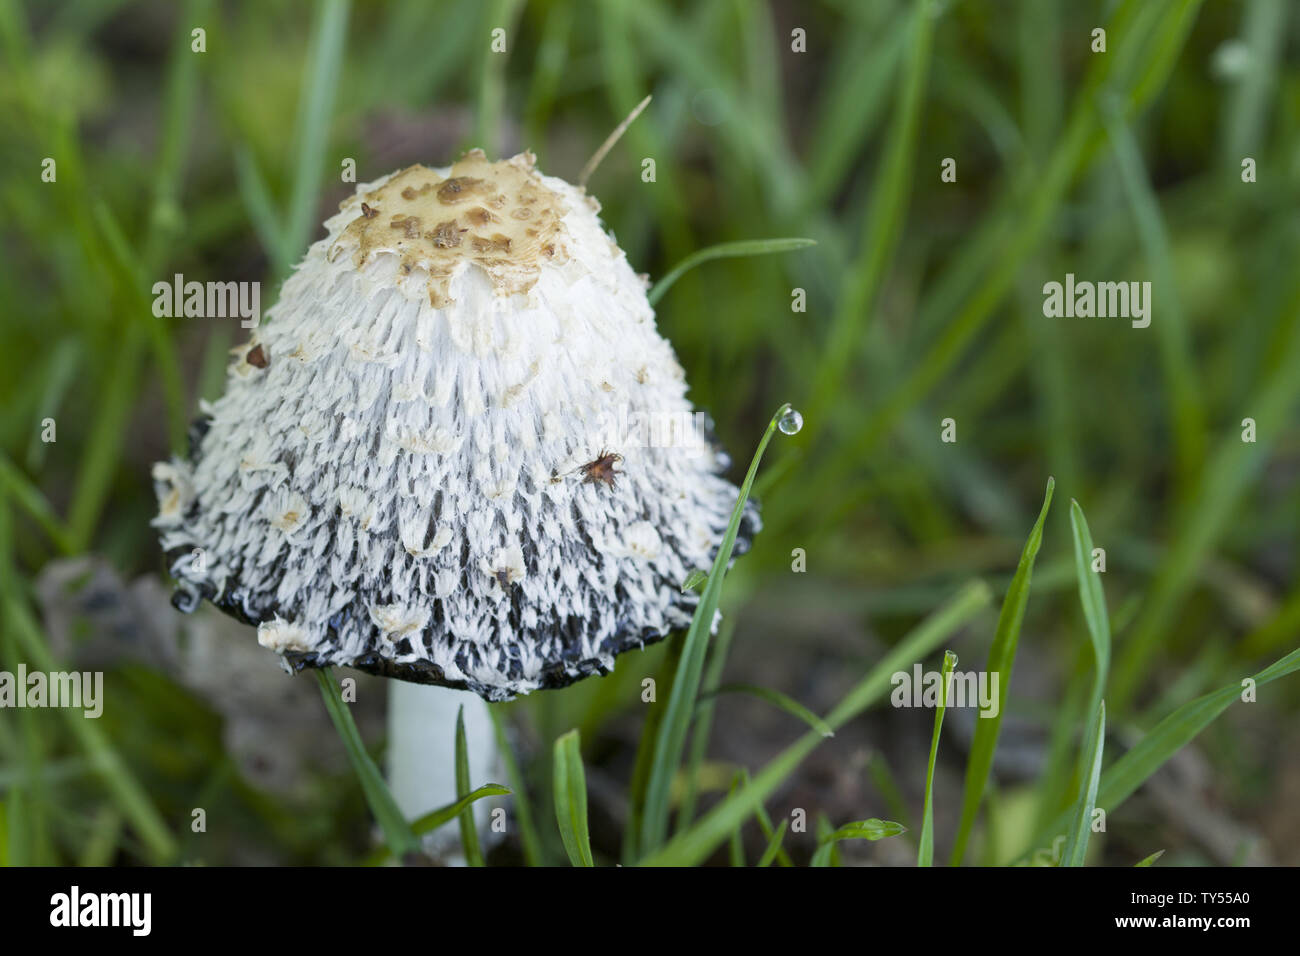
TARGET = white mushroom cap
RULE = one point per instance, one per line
(459, 453)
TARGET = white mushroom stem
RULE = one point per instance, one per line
(422, 755)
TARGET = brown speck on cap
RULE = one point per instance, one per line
(446, 235)
(369, 211)
(458, 189)
(410, 226)
(256, 357)
(498, 243)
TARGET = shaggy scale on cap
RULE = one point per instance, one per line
(428, 465)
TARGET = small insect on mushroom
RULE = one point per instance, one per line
(369, 211)
(602, 469)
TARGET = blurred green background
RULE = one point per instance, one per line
(923, 302)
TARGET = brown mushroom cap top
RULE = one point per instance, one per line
(500, 215)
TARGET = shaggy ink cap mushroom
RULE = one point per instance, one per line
(459, 453)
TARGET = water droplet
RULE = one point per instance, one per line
(790, 422)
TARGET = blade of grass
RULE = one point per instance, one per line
(735, 840)
(28, 497)
(532, 842)
(1076, 841)
(160, 339)
(1093, 598)
(671, 738)
(58, 374)
(179, 95)
(692, 54)
(31, 743)
(851, 103)
(443, 815)
(120, 783)
(872, 829)
(694, 845)
(725, 250)
(704, 722)
(397, 832)
(1165, 739)
(104, 445)
(645, 753)
(1171, 331)
(427, 59)
(883, 226)
(468, 831)
(1014, 232)
(436, 818)
(1247, 114)
(262, 213)
(1284, 625)
(1147, 861)
(548, 69)
(827, 852)
(570, 783)
(773, 846)
(778, 700)
(500, 14)
(1056, 780)
(101, 845)
(1206, 517)
(760, 814)
(626, 82)
(1002, 655)
(925, 851)
(12, 852)
(882, 777)
(323, 67)
(610, 142)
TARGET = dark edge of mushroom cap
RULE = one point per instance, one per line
(555, 675)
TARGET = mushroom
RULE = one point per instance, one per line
(459, 452)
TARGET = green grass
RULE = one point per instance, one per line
(571, 799)
(670, 741)
(925, 850)
(1002, 656)
(1076, 839)
(923, 302)
(397, 831)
